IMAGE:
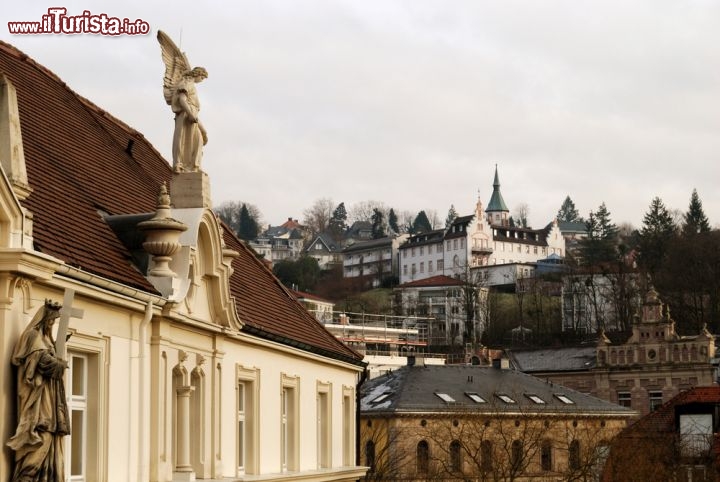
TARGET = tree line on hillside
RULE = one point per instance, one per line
(675, 251)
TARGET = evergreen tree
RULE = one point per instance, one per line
(599, 246)
(378, 229)
(451, 215)
(695, 220)
(655, 236)
(247, 226)
(421, 224)
(393, 222)
(338, 222)
(568, 212)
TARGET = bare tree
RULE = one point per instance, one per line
(364, 210)
(317, 217)
(382, 449)
(229, 212)
(521, 215)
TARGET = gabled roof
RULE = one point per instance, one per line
(327, 241)
(439, 280)
(81, 168)
(416, 389)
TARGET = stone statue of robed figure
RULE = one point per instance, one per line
(179, 90)
(42, 409)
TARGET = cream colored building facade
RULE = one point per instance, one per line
(187, 358)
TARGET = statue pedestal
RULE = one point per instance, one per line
(190, 190)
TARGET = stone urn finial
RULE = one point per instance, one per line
(162, 235)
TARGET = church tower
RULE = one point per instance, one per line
(497, 211)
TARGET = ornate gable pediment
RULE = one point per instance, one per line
(203, 267)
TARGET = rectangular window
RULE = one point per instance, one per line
(440, 265)
(413, 271)
(535, 399)
(422, 266)
(348, 426)
(475, 397)
(247, 413)
(413, 252)
(324, 424)
(241, 433)
(404, 253)
(462, 243)
(430, 266)
(405, 269)
(656, 400)
(624, 399)
(422, 250)
(505, 398)
(564, 399)
(439, 248)
(78, 408)
(289, 433)
(445, 397)
(455, 245)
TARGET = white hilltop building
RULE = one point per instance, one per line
(482, 246)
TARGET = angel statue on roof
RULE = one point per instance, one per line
(179, 90)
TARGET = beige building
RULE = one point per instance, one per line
(187, 357)
(482, 423)
(649, 368)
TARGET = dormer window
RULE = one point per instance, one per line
(564, 399)
(445, 397)
(535, 399)
(505, 398)
(475, 397)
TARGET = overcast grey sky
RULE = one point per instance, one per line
(414, 102)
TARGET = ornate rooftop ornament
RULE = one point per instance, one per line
(180, 94)
(163, 233)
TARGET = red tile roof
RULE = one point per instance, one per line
(80, 167)
(439, 280)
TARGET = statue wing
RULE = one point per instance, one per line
(176, 64)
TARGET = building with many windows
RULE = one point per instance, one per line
(482, 245)
(489, 423)
(374, 259)
(642, 372)
(187, 359)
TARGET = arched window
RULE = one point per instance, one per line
(516, 455)
(423, 457)
(574, 455)
(455, 458)
(546, 456)
(370, 455)
(486, 450)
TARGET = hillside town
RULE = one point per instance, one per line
(150, 334)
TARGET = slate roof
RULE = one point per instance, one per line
(414, 389)
(80, 169)
(554, 359)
